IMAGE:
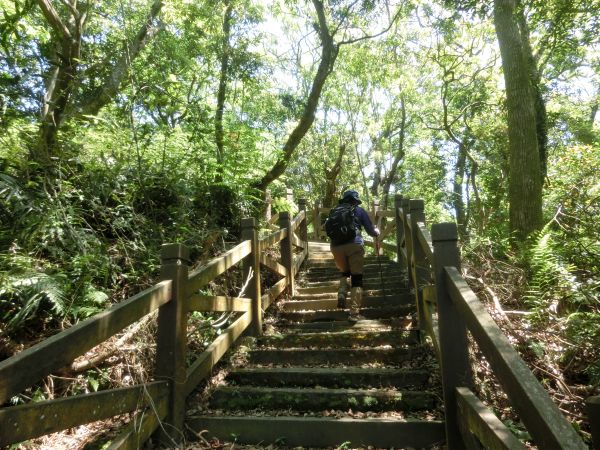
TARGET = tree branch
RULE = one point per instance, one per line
(54, 19)
(111, 85)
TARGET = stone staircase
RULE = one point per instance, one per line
(317, 380)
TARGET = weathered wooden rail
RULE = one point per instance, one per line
(160, 402)
(447, 310)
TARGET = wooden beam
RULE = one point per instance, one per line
(274, 219)
(274, 292)
(297, 241)
(217, 266)
(273, 265)
(388, 229)
(298, 220)
(218, 303)
(203, 365)
(540, 415)
(142, 426)
(425, 240)
(592, 406)
(272, 239)
(478, 420)
(34, 363)
(430, 312)
(32, 420)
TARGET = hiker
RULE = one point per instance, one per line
(343, 227)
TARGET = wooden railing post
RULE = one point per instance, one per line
(455, 367)
(399, 230)
(252, 262)
(408, 244)
(287, 251)
(303, 229)
(171, 338)
(418, 265)
(593, 413)
(376, 208)
(317, 220)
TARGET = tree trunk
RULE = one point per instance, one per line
(457, 190)
(535, 78)
(525, 187)
(64, 77)
(331, 176)
(329, 54)
(391, 175)
(221, 92)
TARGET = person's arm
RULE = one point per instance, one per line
(365, 221)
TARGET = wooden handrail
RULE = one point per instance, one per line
(217, 303)
(217, 266)
(477, 421)
(23, 422)
(298, 220)
(26, 368)
(272, 239)
(180, 295)
(540, 415)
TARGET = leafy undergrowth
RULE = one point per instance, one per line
(561, 351)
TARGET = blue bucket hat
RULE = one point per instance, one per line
(351, 196)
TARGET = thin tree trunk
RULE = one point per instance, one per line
(525, 187)
(457, 190)
(391, 175)
(329, 53)
(222, 91)
(331, 176)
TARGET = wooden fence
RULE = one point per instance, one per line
(159, 404)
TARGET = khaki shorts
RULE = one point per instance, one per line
(349, 258)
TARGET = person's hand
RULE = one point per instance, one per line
(377, 232)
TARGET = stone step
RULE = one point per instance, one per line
(327, 287)
(367, 269)
(317, 293)
(340, 339)
(339, 377)
(340, 314)
(329, 303)
(368, 279)
(319, 399)
(395, 323)
(343, 356)
(326, 260)
(319, 432)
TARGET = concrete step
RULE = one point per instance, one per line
(308, 292)
(330, 302)
(338, 377)
(342, 339)
(319, 432)
(319, 399)
(395, 323)
(344, 356)
(340, 314)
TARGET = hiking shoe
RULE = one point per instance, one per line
(353, 318)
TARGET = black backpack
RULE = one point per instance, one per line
(340, 225)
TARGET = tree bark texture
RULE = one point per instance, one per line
(64, 77)
(329, 54)
(222, 91)
(399, 156)
(331, 175)
(525, 187)
(535, 78)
